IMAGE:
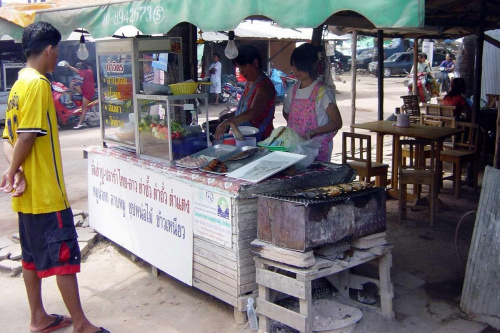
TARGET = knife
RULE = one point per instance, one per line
(277, 136)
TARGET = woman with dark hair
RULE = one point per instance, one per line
(310, 107)
(256, 106)
(455, 98)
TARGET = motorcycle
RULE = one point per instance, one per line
(69, 109)
(233, 94)
(337, 67)
(422, 83)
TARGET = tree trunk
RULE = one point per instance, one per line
(465, 61)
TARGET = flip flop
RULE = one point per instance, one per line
(60, 322)
(103, 330)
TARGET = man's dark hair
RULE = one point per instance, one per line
(423, 55)
(216, 55)
(246, 55)
(304, 58)
(37, 36)
(83, 65)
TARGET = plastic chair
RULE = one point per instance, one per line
(417, 172)
(357, 153)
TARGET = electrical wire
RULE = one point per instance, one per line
(456, 236)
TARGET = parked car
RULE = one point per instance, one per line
(362, 60)
(397, 64)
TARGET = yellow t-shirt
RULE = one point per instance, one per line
(30, 109)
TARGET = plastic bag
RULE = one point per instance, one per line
(310, 148)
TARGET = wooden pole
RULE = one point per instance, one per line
(316, 35)
(478, 68)
(380, 46)
(353, 77)
(415, 66)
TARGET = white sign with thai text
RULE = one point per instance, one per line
(143, 211)
(212, 217)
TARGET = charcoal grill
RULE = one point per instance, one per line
(297, 223)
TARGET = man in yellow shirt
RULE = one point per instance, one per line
(35, 181)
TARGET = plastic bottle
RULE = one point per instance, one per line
(252, 317)
(194, 118)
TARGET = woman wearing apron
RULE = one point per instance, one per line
(256, 106)
(309, 107)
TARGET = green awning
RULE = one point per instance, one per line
(159, 16)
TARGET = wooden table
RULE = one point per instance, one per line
(382, 128)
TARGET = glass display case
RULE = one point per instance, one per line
(137, 108)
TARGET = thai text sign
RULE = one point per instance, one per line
(147, 213)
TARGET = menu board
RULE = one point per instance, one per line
(117, 97)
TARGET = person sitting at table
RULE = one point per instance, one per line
(256, 106)
(455, 98)
(310, 107)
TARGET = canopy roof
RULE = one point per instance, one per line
(102, 19)
(443, 19)
(269, 30)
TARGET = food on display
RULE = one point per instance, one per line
(334, 190)
(193, 162)
(159, 127)
(244, 154)
(216, 166)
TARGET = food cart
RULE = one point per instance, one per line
(191, 224)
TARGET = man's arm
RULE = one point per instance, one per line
(72, 68)
(12, 178)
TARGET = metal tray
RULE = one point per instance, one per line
(235, 165)
(217, 151)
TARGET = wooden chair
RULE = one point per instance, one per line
(464, 151)
(357, 153)
(424, 120)
(450, 122)
(439, 110)
(411, 107)
(417, 172)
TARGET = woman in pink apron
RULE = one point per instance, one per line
(309, 107)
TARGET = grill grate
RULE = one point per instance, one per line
(294, 196)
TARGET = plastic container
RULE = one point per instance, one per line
(252, 317)
(185, 88)
(230, 141)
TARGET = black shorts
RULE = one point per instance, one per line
(49, 243)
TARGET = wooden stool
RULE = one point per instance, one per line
(296, 282)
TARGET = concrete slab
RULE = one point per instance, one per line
(418, 324)
(84, 248)
(86, 235)
(411, 303)
(405, 282)
(460, 325)
(16, 252)
(4, 242)
(4, 253)
(11, 267)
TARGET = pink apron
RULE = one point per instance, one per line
(302, 118)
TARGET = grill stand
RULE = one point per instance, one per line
(337, 271)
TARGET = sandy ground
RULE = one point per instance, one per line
(122, 295)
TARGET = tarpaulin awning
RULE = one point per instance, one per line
(268, 30)
(102, 19)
